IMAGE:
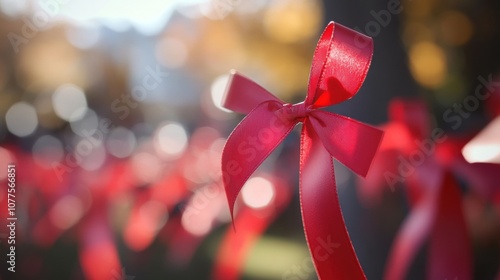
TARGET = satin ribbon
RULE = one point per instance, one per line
(339, 67)
(437, 215)
(434, 195)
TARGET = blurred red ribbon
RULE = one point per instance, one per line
(425, 161)
(340, 64)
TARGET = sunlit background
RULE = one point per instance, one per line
(111, 112)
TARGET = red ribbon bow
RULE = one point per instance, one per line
(340, 64)
(425, 160)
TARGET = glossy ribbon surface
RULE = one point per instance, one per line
(340, 64)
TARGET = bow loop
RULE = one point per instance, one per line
(352, 143)
(339, 67)
(413, 114)
(243, 95)
(340, 64)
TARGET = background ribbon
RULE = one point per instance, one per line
(339, 67)
(428, 167)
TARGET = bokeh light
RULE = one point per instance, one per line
(428, 64)
(292, 21)
(121, 142)
(86, 124)
(91, 155)
(456, 28)
(67, 211)
(21, 119)
(482, 153)
(69, 102)
(199, 227)
(171, 140)
(485, 146)
(203, 210)
(146, 167)
(47, 150)
(258, 192)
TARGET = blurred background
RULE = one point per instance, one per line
(111, 114)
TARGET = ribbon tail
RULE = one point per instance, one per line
(250, 143)
(450, 255)
(326, 233)
(423, 189)
(411, 236)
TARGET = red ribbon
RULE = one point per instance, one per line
(425, 166)
(340, 64)
(436, 215)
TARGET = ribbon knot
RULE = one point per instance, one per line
(293, 112)
(324, 135)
